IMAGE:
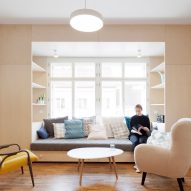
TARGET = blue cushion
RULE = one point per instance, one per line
(74, 129)
(128, 122)
(42, 133)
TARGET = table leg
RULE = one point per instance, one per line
(81, 171)
(115, 167)
(110, 162)
(79, 161)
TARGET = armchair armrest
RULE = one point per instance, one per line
(9, 145)
(152, 159)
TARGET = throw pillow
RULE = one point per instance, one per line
(97, 132)
(110, 121)
(120, 131)
(74, 129)
(128, 122)
(42, 133)
(86, 122)
(59, 130)
(48, 124)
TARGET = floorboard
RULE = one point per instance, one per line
(64, 177)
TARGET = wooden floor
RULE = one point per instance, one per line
(64, 177)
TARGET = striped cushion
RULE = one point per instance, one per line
(59, 130)
(120, 131)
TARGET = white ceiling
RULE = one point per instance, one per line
(98, 49)
(113, 11)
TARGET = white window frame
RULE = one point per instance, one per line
(98, 79)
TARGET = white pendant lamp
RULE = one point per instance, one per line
(86, 20)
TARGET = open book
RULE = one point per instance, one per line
(135, 130)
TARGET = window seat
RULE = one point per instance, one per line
(52, 144)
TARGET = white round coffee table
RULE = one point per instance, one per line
(83, 154)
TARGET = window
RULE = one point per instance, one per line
(84, 98)
(111, 70)
(61, 98)
(60, 70)
(84, 70)
(111, 98)
(87, 88)
(135, 70)
(135, 92)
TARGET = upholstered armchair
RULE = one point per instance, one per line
(13, 160)
(173, 162)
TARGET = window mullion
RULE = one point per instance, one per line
(98, 90)
(73, 91)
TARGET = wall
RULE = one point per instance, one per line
(15, 88)
(15, 60)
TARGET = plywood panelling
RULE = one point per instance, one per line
(179, 91)
(15, 110)
(15, 44)
(15, 88)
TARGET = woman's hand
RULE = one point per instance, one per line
(144, 128)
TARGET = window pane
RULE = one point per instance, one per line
(135, 93)
(84, 98)
(84, 70)
(111, 70)
(111, 98)
(61, 70)
(61, 99)
(135, 70)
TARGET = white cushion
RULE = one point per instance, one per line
(109, 121)
(158, 138)
(97, 132)
(59, 130)
(120, 131)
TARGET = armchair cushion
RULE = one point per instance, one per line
(1, 159)
(16, 161)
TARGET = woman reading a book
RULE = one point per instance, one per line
(140, 127)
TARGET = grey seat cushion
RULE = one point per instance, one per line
(52, 144)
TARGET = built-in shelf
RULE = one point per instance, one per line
(159, 68)
(37, 86)
(38, 104)
(37, 68)
(157, 104)
(158, 86)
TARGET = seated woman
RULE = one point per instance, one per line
(140, 128)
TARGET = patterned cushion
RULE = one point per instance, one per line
(120, 131)
(86, 122)
(74, 129)
(111, 121)
(59, 130)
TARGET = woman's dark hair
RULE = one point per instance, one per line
(139, 106)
